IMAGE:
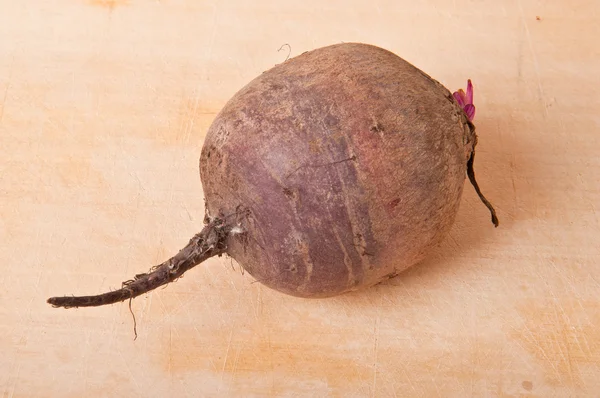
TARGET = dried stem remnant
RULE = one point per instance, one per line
(207, 243)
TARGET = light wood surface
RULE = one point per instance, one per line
(103, 108)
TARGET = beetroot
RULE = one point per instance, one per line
(328, 173)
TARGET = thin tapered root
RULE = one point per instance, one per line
(471, 174)
(207, 243)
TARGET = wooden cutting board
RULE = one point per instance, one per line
(104, 105)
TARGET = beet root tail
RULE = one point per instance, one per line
(471, 174)
(207, 243)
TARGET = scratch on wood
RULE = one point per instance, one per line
(14, 384)
(535, 59)
(226, 356)
(376, 350)
(170, 351)
(131, 376)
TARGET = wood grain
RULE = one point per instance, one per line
(103, 110)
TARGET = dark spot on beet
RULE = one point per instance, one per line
(391, 275)
(331, 121)
(288, 192)
(394, 203)
(376, 128)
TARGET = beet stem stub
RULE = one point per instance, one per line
(207, 243)
(471, 174)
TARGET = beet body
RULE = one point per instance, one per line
(330, 172)
(350, 162)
